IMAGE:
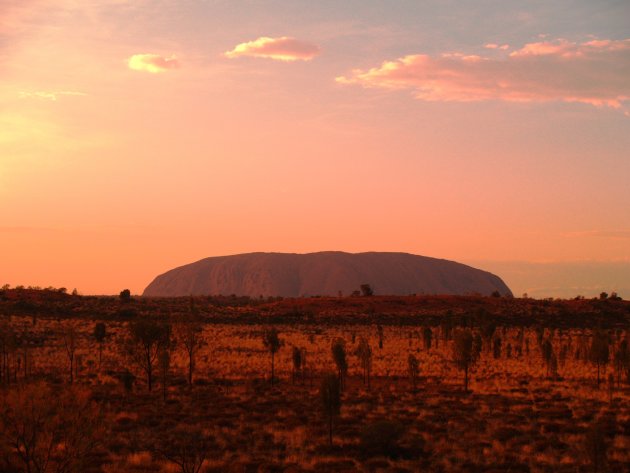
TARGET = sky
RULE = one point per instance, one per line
(137, 136)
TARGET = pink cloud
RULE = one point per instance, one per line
(594, 72)
(559, 48)
(281, 49)
(564, 48)
(496, 46)
(153, 63)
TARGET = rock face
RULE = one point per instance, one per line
(324, 273)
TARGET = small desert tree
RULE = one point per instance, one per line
(379, 329)
(599, 352)
(446, 327)
(487, 333)
(366, 290)
(622, 359)
(22, 344)
(520, 337)
(611, 387)
(553, 366)
(364, 353)
(305, 371)
(187, 447)
(8, 345)
(562, 356)
(427, 335)
(127, 379)
(330, 395)
(164, 364)
(339, 357)
(496, 348)
(100, 332)
(540, 335)
(297, 362)
(125, 295)
(272, 343)
(70, 344)
(477, 345)
(547, 352)
(189, 334)
(413, 367)
(462, 352)
(146, 338)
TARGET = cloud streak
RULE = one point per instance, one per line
(280, 49)
(594, 72)
(50, 95)
(153, 63)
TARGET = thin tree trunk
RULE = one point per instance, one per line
(466, 378)
(272, 367)
(330, 426)
(190, 367)
(598, 375)
(7, 369)
(25, 362)
(149, 377)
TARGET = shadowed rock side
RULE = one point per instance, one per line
(323, 273)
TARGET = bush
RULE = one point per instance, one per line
(503, 434)
(595, 445)
(125, 295)
(382, 438)
(127, 313)
(44, 430)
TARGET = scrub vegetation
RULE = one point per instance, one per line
(362, 383)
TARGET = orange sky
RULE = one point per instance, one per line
(139, 136)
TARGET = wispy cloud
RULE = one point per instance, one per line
(614, 234)
(50, 95)
(153, 63)
(594, 72)
(17, 229)
(568, 49)
(281, 49)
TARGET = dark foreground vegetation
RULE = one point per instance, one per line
(430, 383)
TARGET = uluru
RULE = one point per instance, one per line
(326, 273)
